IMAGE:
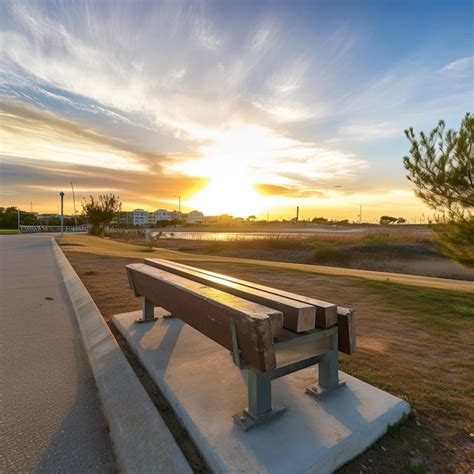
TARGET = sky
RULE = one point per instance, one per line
(240, 107)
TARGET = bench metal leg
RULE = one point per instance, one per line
(259, 387)
(328, 370)
(148, 312)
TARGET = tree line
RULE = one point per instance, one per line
(9, 219)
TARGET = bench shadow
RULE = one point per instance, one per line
(171, 329)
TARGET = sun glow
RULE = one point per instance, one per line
(233, 164)
(225, 195)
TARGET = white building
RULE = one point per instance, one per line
(139, 217)
(159, 215)
(175, 215)
(195, 217)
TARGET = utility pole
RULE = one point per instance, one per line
(268, 215)
(360, 214)
(62, 213)
(297, 213)
(19, 218)
(74, 201)
(31, 205)
(179, 203)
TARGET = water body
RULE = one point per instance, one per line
(225, 236)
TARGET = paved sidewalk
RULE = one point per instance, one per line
(50, 415)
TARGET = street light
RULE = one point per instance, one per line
(62, 213)
(179, 202)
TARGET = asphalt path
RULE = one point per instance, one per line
(50, 415)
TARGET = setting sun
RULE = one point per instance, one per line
(231, 196)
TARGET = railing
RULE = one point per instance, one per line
(29, 229)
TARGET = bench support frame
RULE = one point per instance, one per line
(148, 312)
(259, 384)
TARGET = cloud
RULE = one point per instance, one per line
(459, 67)
(286, 191)
(30, 131)
(24, 177)
(367, 132)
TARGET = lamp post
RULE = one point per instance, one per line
(179, 203)
(62, 213)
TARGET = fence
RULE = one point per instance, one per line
(29, 229)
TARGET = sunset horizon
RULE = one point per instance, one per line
(305, 106)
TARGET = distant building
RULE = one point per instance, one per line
(194, 217)
(159, 215)
(175, 215)
(139, 217)
(222, 219)
(123, 218)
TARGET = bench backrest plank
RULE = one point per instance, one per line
(297, 316)
(210, 310)
(326, 313)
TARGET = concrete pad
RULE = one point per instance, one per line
(206, 389)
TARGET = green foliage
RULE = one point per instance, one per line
(9, 219)
(378, 238)
(100, 212)
(418, 469)
(456, 239)
(329, 254)
(393, 428)
(441, 165)
(448, 310)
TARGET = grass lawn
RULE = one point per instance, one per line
(8, 231)
(413, 341)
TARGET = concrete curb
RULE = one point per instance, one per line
(141, 439)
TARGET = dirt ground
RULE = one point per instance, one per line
(407, 344)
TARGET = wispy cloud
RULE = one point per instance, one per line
(31, 132)
(463, 66)
(368, 132)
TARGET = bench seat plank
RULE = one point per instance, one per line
(326, 313)
(346, 330)
(297, 316)
(210, 310)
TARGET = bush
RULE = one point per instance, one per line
(326, 254)
(377, 238)
(456, 240)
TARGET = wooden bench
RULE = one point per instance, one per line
(270, 332)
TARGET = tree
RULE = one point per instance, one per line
(319, 220)
(401, 220)
(441, 166)
(251, 218)
(100, 212)
(8, 217)
(387, 220)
